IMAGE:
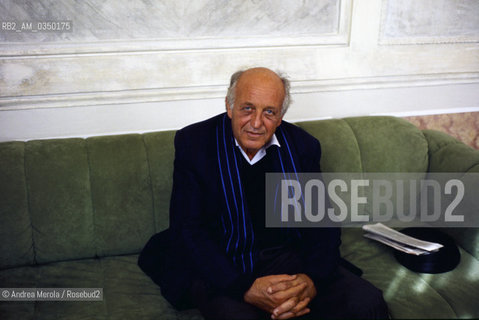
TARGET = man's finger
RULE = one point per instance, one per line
(285, 315)
(301, 305)
(302, 312)
(290, 314)
(282, 286)
(285, 306)
(278, 279)
(295, 291)
(296, 311)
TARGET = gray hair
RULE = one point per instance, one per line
(231, 94)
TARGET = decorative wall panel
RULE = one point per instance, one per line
(101, 26)
(429, 21)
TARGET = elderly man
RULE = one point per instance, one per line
(221, 256)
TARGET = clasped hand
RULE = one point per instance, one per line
(284, 296)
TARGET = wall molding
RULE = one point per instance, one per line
(30, 50)
(211, 92)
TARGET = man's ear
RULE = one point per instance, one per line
(279, 121)
(228, 109)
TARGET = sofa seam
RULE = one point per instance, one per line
(27, 194)
(428, 156)
(92, 203)
(357, 144)
(29, 207)
(150, 180)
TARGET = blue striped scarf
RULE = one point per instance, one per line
(236, 221)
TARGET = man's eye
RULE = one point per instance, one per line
(270, 112)
(247, 108)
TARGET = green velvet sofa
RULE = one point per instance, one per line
(77, 212)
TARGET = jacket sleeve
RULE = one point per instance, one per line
(188, 221)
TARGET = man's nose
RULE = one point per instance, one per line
(257, 120)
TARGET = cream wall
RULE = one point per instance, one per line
(141, 66)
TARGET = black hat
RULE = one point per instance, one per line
(446, 259)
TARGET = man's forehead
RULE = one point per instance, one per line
(260, 79)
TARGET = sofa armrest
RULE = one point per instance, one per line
(447, 154)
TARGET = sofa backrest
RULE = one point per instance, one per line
(369, 144)
(78, 198)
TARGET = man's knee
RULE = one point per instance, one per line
(370, 305)
(352, 297)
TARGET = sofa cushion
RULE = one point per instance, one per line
(127, 292)
(121, 193)
(161, 154)
(57, 179)
(65, 199)
(15, 224)
(410, 294)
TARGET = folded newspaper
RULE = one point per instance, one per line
(399, 241)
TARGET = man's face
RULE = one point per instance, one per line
(257, 110)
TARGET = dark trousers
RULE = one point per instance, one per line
(346, 296)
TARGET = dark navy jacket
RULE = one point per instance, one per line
(193, 246)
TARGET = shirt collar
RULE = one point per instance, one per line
(261, 152)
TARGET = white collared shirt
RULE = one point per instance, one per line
(261, 152)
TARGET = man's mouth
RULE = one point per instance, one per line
(254, 134)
